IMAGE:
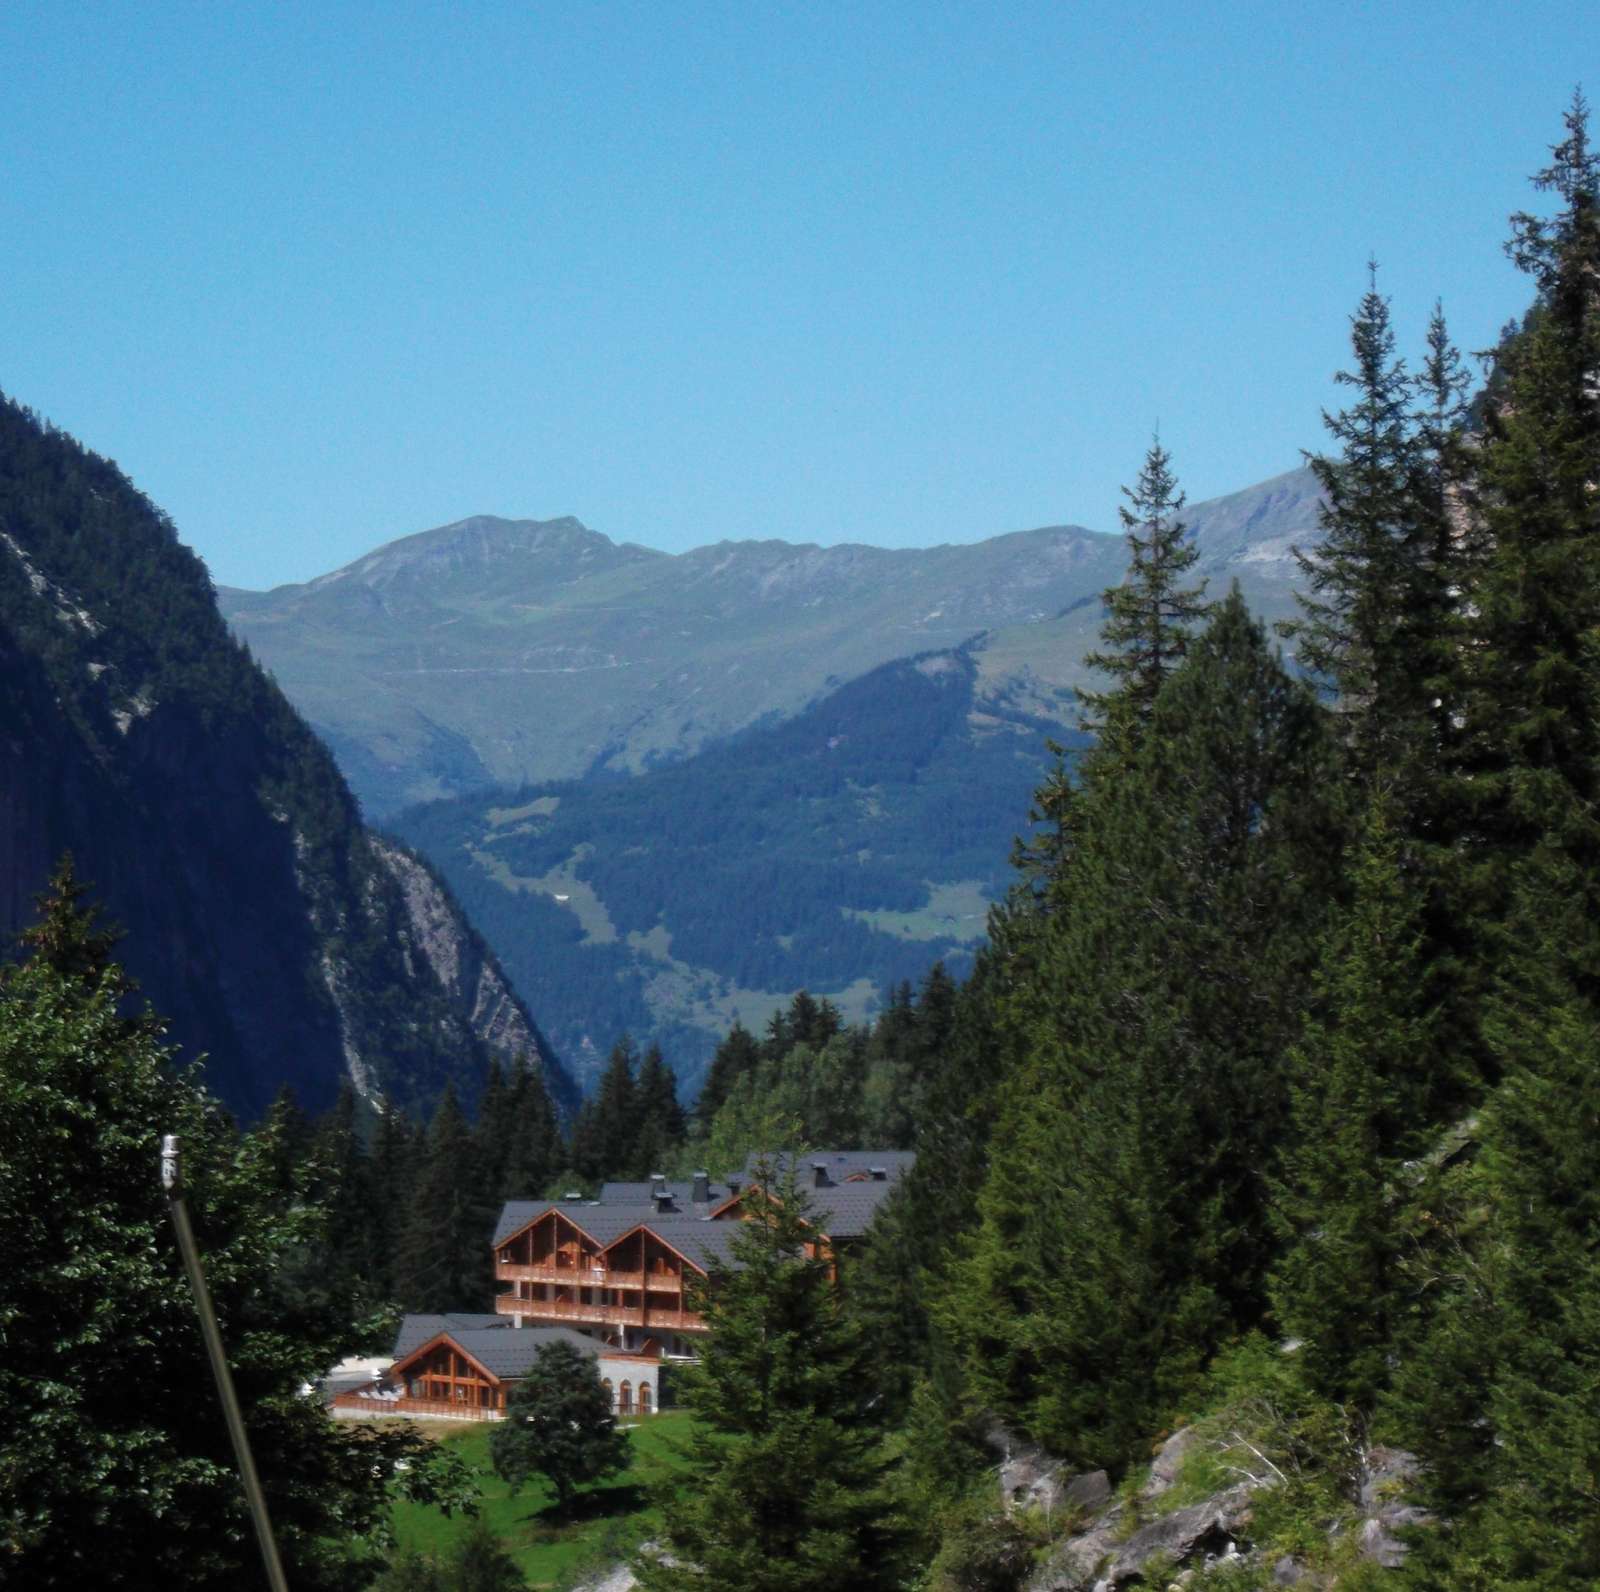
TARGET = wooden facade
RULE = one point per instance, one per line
(633, 1290)
(443, 1380)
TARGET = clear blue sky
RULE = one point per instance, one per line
(321, 275)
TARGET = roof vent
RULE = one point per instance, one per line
(819, 1174)
(880, 1174)
(734, 1185)
(663, 1199)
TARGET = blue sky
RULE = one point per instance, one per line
(319, 276)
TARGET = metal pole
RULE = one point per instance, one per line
(172, 1182)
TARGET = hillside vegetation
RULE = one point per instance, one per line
(842, 851)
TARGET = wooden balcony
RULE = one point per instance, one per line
(599, 1315)
(574, 1276)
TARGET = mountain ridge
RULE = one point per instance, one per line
(675, 651)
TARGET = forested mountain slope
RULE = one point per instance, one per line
(843, 850)
(494, 651)
(263, 920)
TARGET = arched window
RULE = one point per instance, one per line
(611, 1393)
(625, 1399)
(644, 1398)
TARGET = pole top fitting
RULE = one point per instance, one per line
(171, 1164)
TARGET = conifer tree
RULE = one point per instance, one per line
(1148, 616)
(661, 1119)
(736, 1055)
(1358, 577)
(533, 1138)
(389, 1184)
(444, 1263)
(1535, 709)
(1360, 1093)
(783, 1491)
(1123, 1219)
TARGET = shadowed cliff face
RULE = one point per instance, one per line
(263, 921)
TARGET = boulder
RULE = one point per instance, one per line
(1075, 1564)
(1209, 1530)
(1089, 1492)
(1169, 1460)
(1030, 1479)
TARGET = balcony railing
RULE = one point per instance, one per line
(416, 1409)
(601, 1315)
(577, 1276)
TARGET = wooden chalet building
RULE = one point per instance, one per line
(619, 1268)
(463, 1367)
(610, 1276)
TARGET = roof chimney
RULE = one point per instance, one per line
(702, 1187)
(819, 1174)
(880, 1174)
(573, 1194)
(735, 1184)
(658, 1177)
(663, 1199)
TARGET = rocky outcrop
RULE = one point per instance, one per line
(439, 938)
(1120, 1544)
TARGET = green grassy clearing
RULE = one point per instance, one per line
(607, 1521)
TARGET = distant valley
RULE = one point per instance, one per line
(669, 790)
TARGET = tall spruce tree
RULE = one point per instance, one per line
(1150, 614)
(783, 1490)
(1535, 708)
(737, 1054)
(1123, 1224)
(444, 1263)
(1360, 1092)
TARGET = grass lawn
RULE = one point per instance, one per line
(607, 1520)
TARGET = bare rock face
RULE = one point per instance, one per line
(1386, 1475)
(448, 945)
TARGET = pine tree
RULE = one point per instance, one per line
(662, 1123)
(604, 1134)
(1360, 1097)
(783, 1489)
(1358, 577)
(1534, 716)
(1149, 616)
(1123, 1220)
(444, 1260)
(533, 1150)
(735, 1056)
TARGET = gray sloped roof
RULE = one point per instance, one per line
(492, 1341)
(417, 1330)
(840, 1164)
(682, 1192)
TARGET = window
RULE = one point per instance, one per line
(625, 1399)
(644, 1398)
(611, 1396)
